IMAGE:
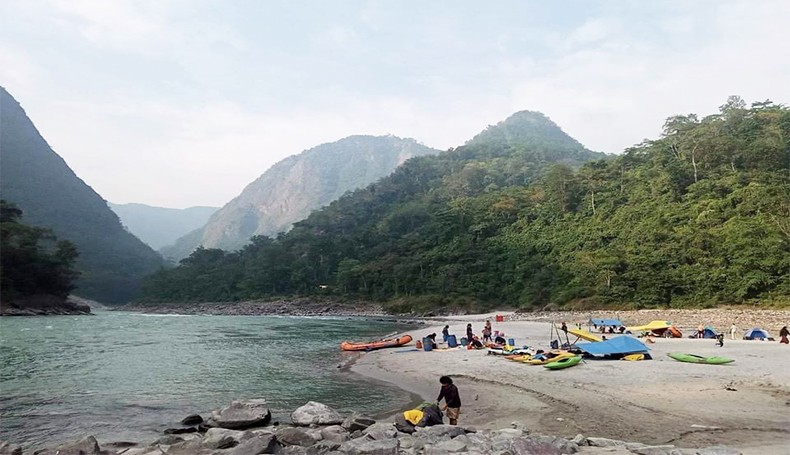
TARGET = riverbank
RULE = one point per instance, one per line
(660, 401)
(283, 307)
(44, 305)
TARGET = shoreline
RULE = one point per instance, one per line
(658, 402)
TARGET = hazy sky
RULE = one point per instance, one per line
(185, 102)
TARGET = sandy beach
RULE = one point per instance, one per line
(745, 404)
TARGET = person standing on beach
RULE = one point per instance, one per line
(487, 332)
(446, 333)
(733, 330)
(783, 334)
(452, 401)
(469, 333)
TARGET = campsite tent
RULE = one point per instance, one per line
(709, 332)
(756, 334)
(615, 346)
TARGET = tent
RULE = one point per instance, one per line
(617, 345)
(606, 322)
(709, 332)
(756, 334)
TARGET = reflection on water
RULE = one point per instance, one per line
(129, 376)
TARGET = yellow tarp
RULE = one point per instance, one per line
(413, 416)
(653, 325)
(584, 335)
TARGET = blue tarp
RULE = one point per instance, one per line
(617, 345)
(606, 322)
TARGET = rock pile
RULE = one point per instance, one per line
(245, 428)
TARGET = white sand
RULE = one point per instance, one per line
(661, 401)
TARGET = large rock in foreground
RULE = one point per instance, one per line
(316, 413)
(242, 414)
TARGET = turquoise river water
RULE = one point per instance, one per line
(128, 376)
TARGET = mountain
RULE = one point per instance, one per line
(698, 217)
(296, 186)
(112, 262)
(426, 229)
(160, 226)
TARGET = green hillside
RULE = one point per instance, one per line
(700, 216)
(111, 261)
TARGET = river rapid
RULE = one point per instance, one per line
(128, 376)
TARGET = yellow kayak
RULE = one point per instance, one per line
(521, 358)
(556, 357)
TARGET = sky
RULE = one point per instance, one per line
(177, 103)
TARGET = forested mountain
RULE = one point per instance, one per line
(427, 229)
(161, 226)
(111, 261)
(297, 185)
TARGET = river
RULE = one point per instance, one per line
(128, 376)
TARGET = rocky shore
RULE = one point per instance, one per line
(245, 427)
(284, 307)
(43, 305)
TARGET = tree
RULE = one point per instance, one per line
(33, 261)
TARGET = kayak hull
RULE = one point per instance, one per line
(378, 344)
(566, 362)
(691, 358)
(558, 357)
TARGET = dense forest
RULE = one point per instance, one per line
(697, 217)
(33, 260)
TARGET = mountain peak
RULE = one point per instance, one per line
(527, 128)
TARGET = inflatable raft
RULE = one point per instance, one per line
(378, 344)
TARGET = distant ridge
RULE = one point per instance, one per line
(32, 176)
(161, 226)
(296, 186)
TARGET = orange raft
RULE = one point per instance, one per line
(378, 344)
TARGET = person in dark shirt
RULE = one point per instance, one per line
(451, 399)
(469, 333)
(446, 332)
(432, 338)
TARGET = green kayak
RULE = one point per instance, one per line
(567, 362)
(691, 358)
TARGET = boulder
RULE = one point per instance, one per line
(256, 445)
(451, 446)
(242, 414)
(357, 422)
(6, 448)
(291, 436)
(439, 431)
(192, 419)
(315, 413)
(381, 430)
(167, 440)
(190, 447)
(364, 446)
(323, 447)
(654, 450)
(604, 442)
(292, 450)
(334, 433)
(579, 439)
(222, 438)
(151, 450)
(543, 445)
(85, 446)
(719, 450)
